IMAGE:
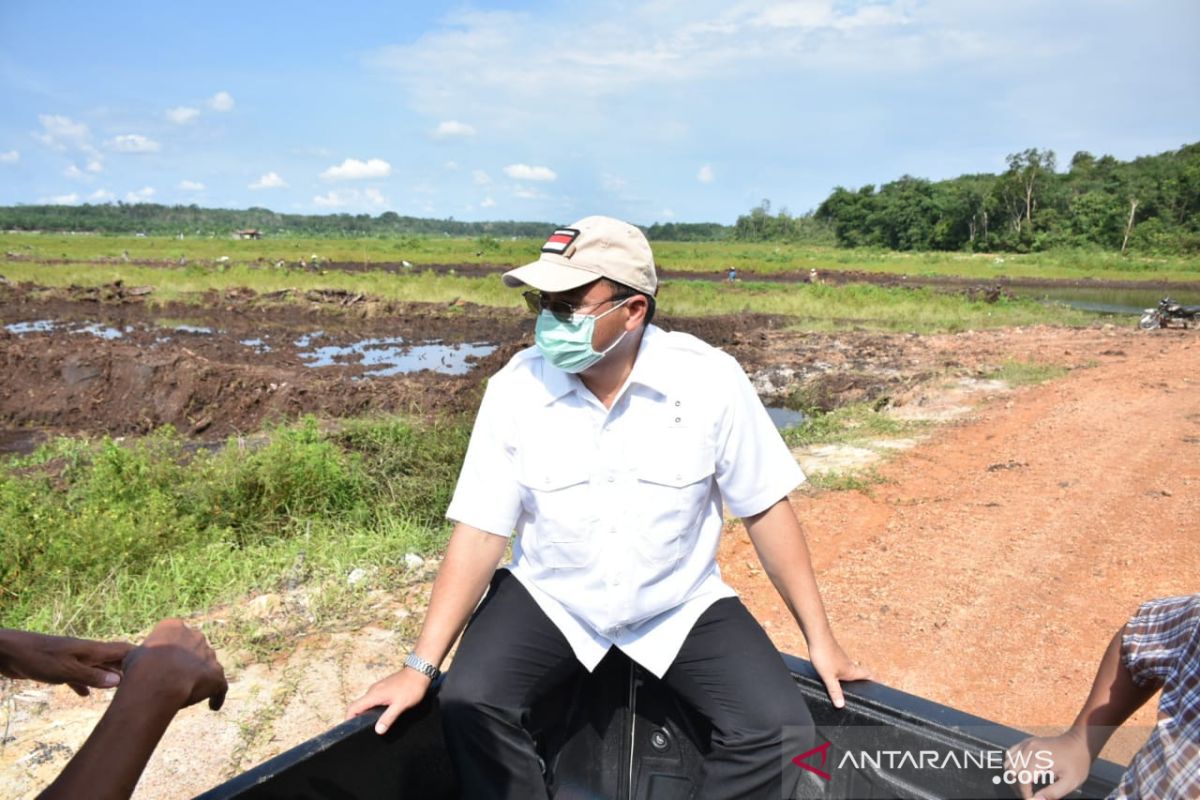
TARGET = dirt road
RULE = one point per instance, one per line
(994, 567)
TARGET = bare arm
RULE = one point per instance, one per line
(1114, 697)
(173, 668)
(467, 568)
(783, 550)
(79, 663)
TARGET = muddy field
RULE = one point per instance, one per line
(105, 361)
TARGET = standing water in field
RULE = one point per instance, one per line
(393, 356)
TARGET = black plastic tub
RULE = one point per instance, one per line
(616, 734)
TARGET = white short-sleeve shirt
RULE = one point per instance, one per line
(618, 512)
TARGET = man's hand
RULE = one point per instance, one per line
(399, 691)
(175, 661)
(79, 663)
(1069, 759)
(834, 666)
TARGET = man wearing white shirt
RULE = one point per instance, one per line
(611, 448)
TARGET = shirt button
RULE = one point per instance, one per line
(677, 419)
(677, 404)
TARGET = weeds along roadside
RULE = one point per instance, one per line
(102, 538)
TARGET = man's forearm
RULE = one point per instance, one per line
(466, 570)
(1114, 697)
(783, 550)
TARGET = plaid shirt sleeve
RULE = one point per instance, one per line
(1161, 647)
(1157, 638)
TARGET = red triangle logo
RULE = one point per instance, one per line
(800, 761)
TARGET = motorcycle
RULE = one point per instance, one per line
(1167, 312)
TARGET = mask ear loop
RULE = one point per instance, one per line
(608, 349)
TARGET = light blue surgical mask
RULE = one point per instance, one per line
(568, 345)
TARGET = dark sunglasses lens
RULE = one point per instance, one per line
(562, 310)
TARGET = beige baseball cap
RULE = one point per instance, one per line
(593, 247)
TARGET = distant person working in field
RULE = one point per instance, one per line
(173, 668)
(1159, 648)
(611, 447)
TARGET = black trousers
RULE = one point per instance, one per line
(511, 654)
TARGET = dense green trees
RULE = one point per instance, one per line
(1150, 204)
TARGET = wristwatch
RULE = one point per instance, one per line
(414, 661)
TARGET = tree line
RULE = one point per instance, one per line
(1150, 205)
(162, 220)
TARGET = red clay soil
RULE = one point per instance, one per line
(991, 570)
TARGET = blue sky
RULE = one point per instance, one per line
(651, 111)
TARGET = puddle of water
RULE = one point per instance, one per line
(184, 326)
(1106, 301)
(48, 326)
(258, 345)
(785, 417)
(394, 357)
(102, 331)
(37, 326)
(306, 339)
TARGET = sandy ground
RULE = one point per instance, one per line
(988, 573)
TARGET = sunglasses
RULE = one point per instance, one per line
(561, 309)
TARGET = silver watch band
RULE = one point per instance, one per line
(414, 661)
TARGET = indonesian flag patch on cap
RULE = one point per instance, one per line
(560, 240)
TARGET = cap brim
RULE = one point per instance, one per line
(549, 276)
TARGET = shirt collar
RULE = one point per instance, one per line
(649, 369)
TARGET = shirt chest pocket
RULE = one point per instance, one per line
(672, 492)
(558, 498)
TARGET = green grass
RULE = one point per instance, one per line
(850, 481)
(1023, 373)
(711, 257)
(103, 538)
(853, 424)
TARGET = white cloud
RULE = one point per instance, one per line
(101, 196)
(142, 195)
(73, 172)
(352, 169)
(451, 165)
(452, 129)
(527, 194)
(480, 177)
(270, 180)
(94, 165)
(133, 143)
(191, 186)
(221, 101)
(182, 115)
(340, 198)
(60, 133)
(706, 174)
(62, 199)
(487, 203)
(525, 172)
(668, 213)
(10, 157)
